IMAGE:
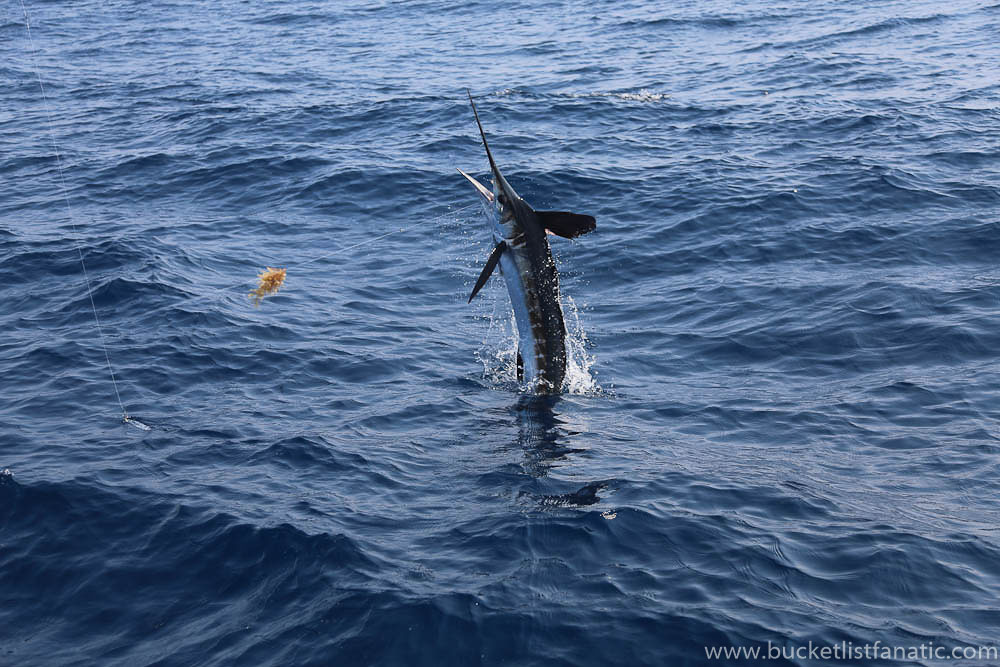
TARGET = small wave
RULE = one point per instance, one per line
(870, 30)
(287, 18)
(674, 21)
(307, 452)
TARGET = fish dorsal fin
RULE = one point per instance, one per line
(566, 225)
(491, 264)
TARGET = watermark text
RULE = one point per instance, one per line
(851, 651)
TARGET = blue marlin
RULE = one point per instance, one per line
(522, 252)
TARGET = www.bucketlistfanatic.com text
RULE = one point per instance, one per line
(851, 651)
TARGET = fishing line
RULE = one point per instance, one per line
(219, 290)
(64, 191)
(72, 220)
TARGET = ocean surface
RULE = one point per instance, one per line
(780, 425)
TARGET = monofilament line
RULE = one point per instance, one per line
(379, 238)
(292, 269)
(69, 210)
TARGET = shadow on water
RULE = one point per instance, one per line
(543, 437)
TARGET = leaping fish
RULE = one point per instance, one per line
(522, 252)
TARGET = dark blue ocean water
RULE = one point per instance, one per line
(782, 420)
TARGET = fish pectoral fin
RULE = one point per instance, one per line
(482, 189)
(566, 225)
(491, 264)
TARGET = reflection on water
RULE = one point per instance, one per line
(543, 437)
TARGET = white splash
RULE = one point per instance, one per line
(579, 378)
(498, 352)
(641, 95)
